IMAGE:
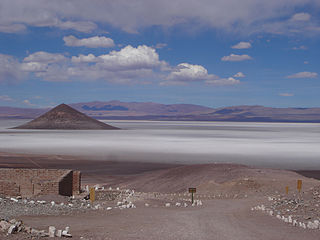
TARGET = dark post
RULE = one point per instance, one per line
(192, 190)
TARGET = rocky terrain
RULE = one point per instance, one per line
(151, 201)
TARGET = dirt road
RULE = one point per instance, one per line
(224, 219)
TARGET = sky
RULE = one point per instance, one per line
(209, 52)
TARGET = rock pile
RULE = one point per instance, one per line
(301, 210)
(14, 226)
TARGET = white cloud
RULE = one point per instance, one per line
(242, 45)
(128, 58)
(45, 57)
(5, 98)
(10, 69)
(27, 102)
(247, 15)
(304, 75)
(236, 58)
(92, 42)
(239, 75)
(84, 58)
(300, 48)
(186, 72)
(12, 28)
(299, 23)
(286, 94)
(160, 45)
(128, 65)
(81, 26)
(224, 81)
(301, 17)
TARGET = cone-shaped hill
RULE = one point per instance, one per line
(65, 117)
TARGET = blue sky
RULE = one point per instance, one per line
(214, 53)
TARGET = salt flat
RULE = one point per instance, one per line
(276, 145)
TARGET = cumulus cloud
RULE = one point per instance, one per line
(45, 57)
(223, 81)
(84, 58)
(239, 75)
(92, 42)
(236, 58)
(301, 17)
(299, 23)
(286, 94)
(247, 15)
(10, 69)
(242, 45)
(304, 75)
(186, 72)
(142, 57)
(128, 65)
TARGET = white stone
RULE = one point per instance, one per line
(178, 204)
(59, 233)
(52, 231)
(12, 229)
(53, 203)
(109, 208)
(167, 204)
(185, 205)
(146, 204)
(14, 200)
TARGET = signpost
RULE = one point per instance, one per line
(192, 191)
(287, 190)
(92, 194)
(299, 185)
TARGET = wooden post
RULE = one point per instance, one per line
(287, 190)
(92, 194)
(192, 191)
(299, 185)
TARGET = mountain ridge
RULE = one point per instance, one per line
(117, 110)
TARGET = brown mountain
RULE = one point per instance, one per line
(65, 117)
(180, 112)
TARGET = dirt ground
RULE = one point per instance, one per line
(217, 219)
(228, 217)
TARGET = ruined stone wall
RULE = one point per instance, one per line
(76, 182)
(28, 182)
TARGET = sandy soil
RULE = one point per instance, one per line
(228, 216)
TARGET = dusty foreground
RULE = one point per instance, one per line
(232, 202)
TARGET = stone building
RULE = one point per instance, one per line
(31, 182)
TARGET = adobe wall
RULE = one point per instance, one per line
(28, 182)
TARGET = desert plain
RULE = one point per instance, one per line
(161, 206)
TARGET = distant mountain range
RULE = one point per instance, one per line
(182, 112)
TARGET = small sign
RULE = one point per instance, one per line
(192, 190)
(92, 194)
(299, 185)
